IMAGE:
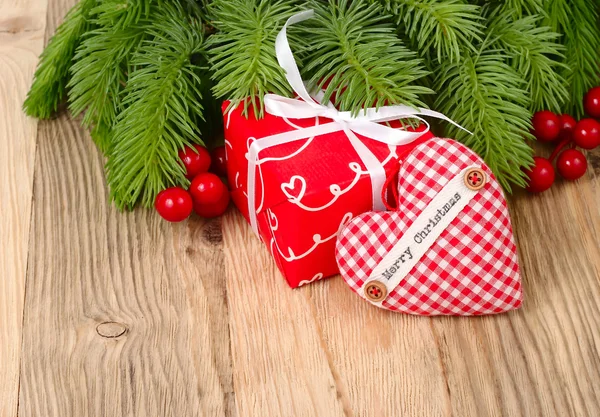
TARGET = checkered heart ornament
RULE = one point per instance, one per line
(448, 249)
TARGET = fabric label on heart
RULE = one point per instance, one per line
(423, 233)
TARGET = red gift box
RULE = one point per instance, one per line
(305, 191)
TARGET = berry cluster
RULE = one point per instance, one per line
(571, 163)
(207, 195)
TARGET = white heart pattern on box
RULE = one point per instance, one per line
(292, 190)
(471, 268)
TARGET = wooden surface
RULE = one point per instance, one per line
(22, 25)
(111, 314)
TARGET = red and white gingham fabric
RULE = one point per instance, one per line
(471, 269)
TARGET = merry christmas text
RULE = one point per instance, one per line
(421, 236)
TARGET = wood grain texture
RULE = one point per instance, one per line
(543, 360)
(280, 366)
(124, 313)
(22, 26)
(127, 315)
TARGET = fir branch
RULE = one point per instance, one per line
(557, 14)
(517, 8)
(242, 51)
(487, 96)
(356, 57)
(577, 20)
(98, 76)
(438, 28)
(535, 53)
(162, 102)
(52, 73)
(120, 14)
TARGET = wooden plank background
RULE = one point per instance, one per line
(110, 314)
(22, 25)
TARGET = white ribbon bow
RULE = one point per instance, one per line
(366, 123)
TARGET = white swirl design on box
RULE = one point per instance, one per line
(229, 117)
(237, 185)
(282, 158)
(317, 239)
(313, 279)
(391, 156)
(298, 183)
(335, 189)
(272, 216)
(295, 125)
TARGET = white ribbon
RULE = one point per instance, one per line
(307, 107)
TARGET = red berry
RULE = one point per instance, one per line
(541, 175)
(207, 188)
(195, 159)
(586, 134)
(567, 124)
(591, 102)
(219, 161)
(571, 164)
(214, 209)
(546, 126)
(174, 204)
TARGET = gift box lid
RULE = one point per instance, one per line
(309, 171)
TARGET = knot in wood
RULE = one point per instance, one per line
(211, 232)
(111, 329)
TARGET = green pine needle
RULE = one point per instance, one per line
(577, 20)
(487, 96)
(120, 14)
(354, 54)
(444, 27)
(518, 8)
(242, 50)
(99, 74)
(536, 54)
(162, 101)
(52, 73)
(144, 76)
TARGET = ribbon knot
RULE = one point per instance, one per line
(367, 123)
